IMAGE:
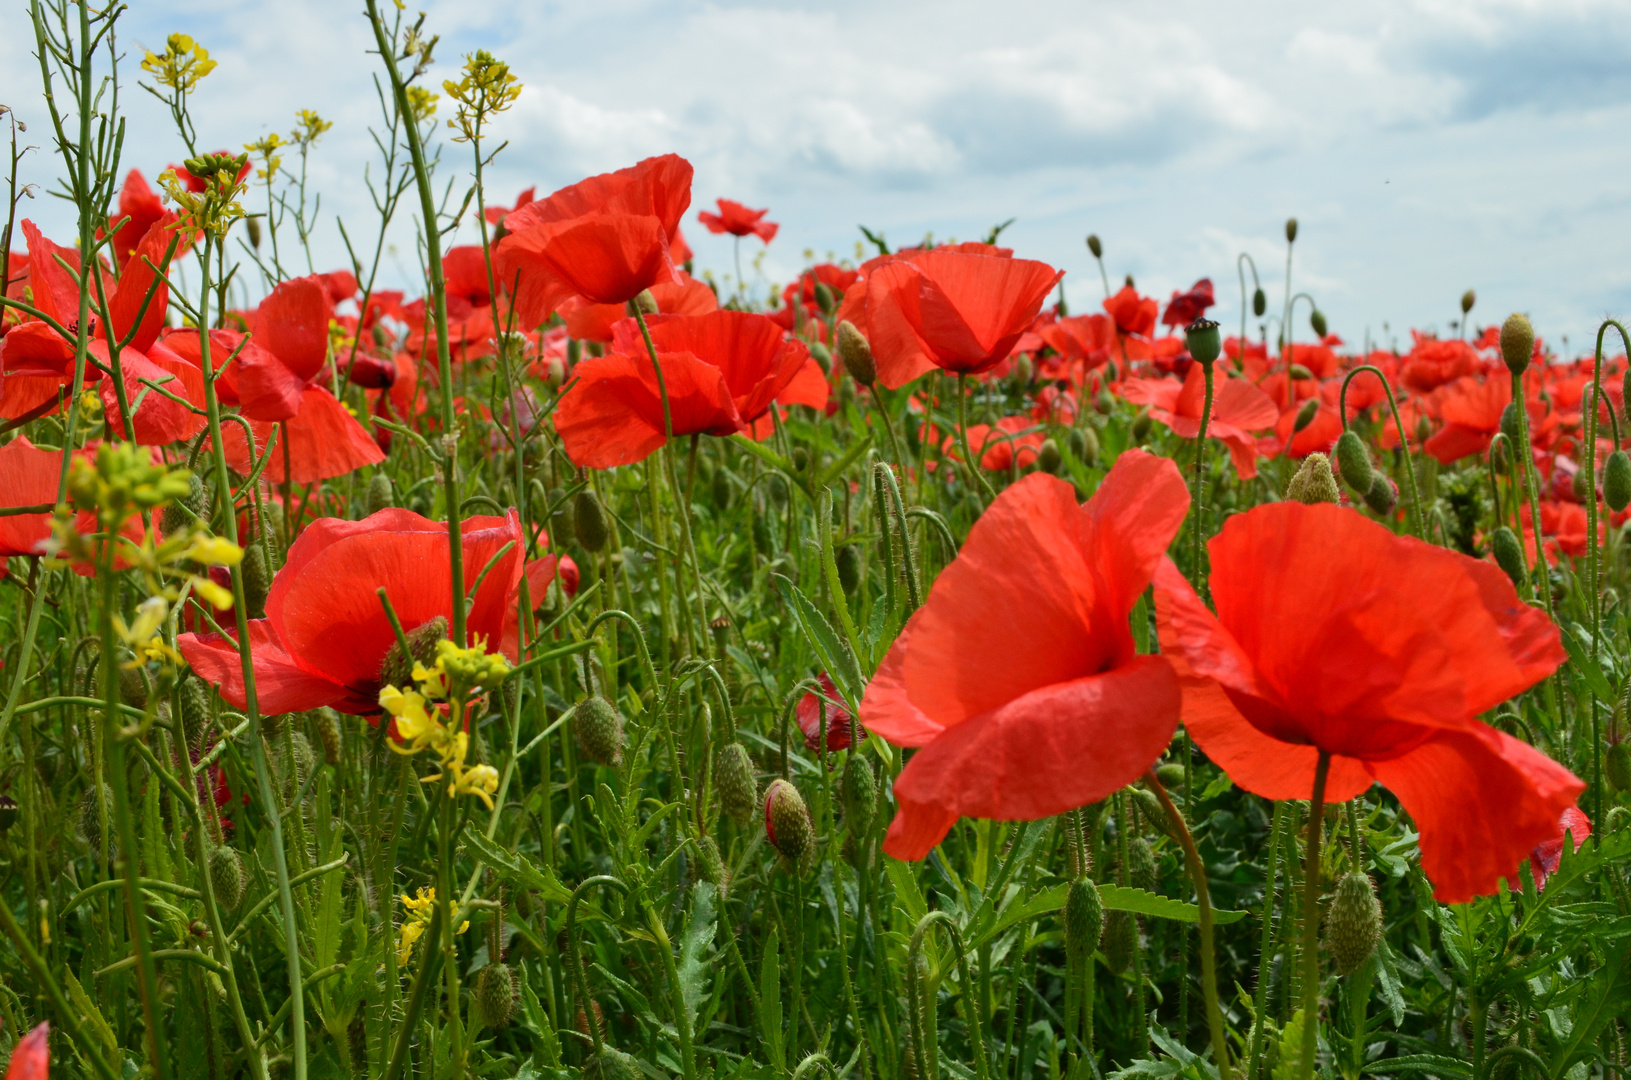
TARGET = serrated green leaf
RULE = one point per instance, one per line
(770, 1002)
(1601, 1002)
(515, 866)
(1139, 902)
(1575, 640)
(834, 655)
(695, 939)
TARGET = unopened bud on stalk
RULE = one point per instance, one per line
(823, 356)
(712, 864)
(1508, 554)
(644, 304)
(733, 779)
(1617, 766)
(787, 821)
(589, 520)
(1517, 343)
(825, 298)
(1617, 481)
(1084, 443)
(1171, 775)
(1306, 414)
(1510, 423)
(1316, 319)
(1141, 427)
(598, 727)
(858, 786)
(1048, 458)
(397, 667)
(612, 1064)
(1023, 372)
(1119, 941)
(1468, 299)
(720, 489)
(1260, 302)
(1353, 925)
(496, 994)
(1094, 246)
(856, 354)
(1141, 873)
(1291, 230)
(1300, 372)
(195, 710)
(1383, 495)
(1084, 919)
(1314, 482)
(1354, 462)
(253, 224)
(1203, 341)
(176, 518)
(226, 869)
(328, 733)
(257, 579)
(380, 494)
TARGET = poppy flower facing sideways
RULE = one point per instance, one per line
(757, 359)
(840, 725)
(31, 1059)
(325, 635)
(1548, 855)
(613, 414)
(738, 220)
(1238, 408)
(1018, 677)
(1334, 635)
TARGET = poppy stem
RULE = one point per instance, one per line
(1203, 899)
(962, 437)
(1265, 955)
(1404, 440)
(1598, 399)
(1199, 510)
(1310, 942)
(1526, 461)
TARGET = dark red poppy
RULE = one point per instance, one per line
(325, 633)
(840, 726)
(613, 414)
(1184, 308)
(606, 238)
(738, 220)
(1018, 677)
(31, 1060)
(1544, 860)
(756, 357)
(1238, 408)
(1332, 634)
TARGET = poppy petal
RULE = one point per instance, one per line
(281, 684)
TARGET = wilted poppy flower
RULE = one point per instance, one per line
(31, 1060)
(1238, 408)
(840, 726)
(325, 634)
(613, 414)
(738, 220)
(757, 359)
(1334, 635)
(606, 238)
(1544, 860)
(1184, 308)
(1018, 677)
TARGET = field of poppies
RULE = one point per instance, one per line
(571, 665)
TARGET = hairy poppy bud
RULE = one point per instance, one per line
(589, 520)
(1508, 554)
(720, 489)
(8, 813)
(733, 778)
(1383, 495)
(380, 494)
(90, 819)
(823, 356)
(1084, 919)
(598, 727)
(825, 298)
(1617, 481)
(1584, 483)
(1260, 302)
(858, 785)
(226, 869)
(1617, 766)
(1517, 343)
(1306, 414)
(1084, 443)
(1316, 319)
(176, 516)
(1119, 941)
(298, 753)
(1023, 372)
(1094, 246)
(644, 304)
(1291, 230)
(1314, 482)
(1203, 341)
(711, 864)
(496, 993)
(787, 821)
(1301, 372)
(257, 579)
(1509, 423)
(397, 667)
(253, 224)
(848, 559)
(1171, 775)
(1048, 459)
(1154, 813)
(1104, 403)
(1354, 462)
(328, 733)
(1141, 873)
(1468, 299)
(1141, 427)
(133, 685)
(1353, 925)
(856, 353)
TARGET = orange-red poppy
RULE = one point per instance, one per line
(685, 295)
(758, 360)
(613, 414)
(738, 220)
(1238, 408)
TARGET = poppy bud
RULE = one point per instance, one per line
(589, 520)
(1203, 341)
(733, 778)
(801, 459)
(1314, 482)
(1260, 302)
(1383, 495)
(292, 780)
(194, 698)
(496, 993)
(1468, 299)
(598, 727)
(1141, 873)
(712, 864)
(8, 813)
(787, 821)
(372, 373)
(856, 353)
(1153, 811)
(644, 304)
(1500, 455)
(257, 576)
(612, 1064)
(1023, 372)
(1617, 766)
(328, 733)
(1291, 230)
(1128, 281)
(1141, 427)
(1300, 372)
(848, 559)
(90, 818)
(253, 224)
(1316, 319)
(380, 494)
(1094, 246)
(1104, 403)
(825, 298)
(1584, 484)
(1119, 941)
(1617, 481)
(823, 356)
(133, 685)
(1084, 919)
(1508, 554)
(226, 869)
(1048, 459)
(1353, 460)
(1306, 414)
(397, 667)
(858, 785)
(1509, 423)
(176, 519)
(1353, 925)
(720, 489)
(1517, 343)
(1171, 775)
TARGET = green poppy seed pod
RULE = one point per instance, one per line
(1260, 302)
(327, 722)
(823, 356)
(1141, 873)
(1141, 427)
(90, 819)
(1509, 423)
(1154, 813)
(1119, 941)
(1353, 460)
(1517, 342)
(257, 577)
(176, 518)
(1171, 775)
(1584, 484)
(1204, 341)
(1291, 230)
(1095, 246)
(733, 779)
(1383, 495)
(856, 353)
(1316, 319)
(825, 298)
(1300, 372)
(1049, 458)
(848, 559)
(227, 878)
(381, 496)
(644, 304)
(1508, 554)
(589, 520)
(1084, 919)
(8, 813)
(397, 667)
(1306, 414)
(787, 821)
(858, 786)
(612, 1064)
(1353, 925)
(1468, 299)
(253, 224)
(496, 994)
(719, 489)
(1617, 766)
(1314, 482)
(801, 459)
(598, 727)
(1617, 481)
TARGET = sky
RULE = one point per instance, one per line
(1425, 146)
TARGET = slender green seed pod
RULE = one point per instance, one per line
(194, 697)
(1095, 245)
(227, 877)
(1354, 462)
(1383, 495)
(1353, 925)
(1617, 481)
(1305, 415)
(1316, 319)
(1260, 302)
(1141, 872)
(598, 727)
(589, 520)
(733, 779)
(858, 786)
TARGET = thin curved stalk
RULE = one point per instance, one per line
(1404, 439)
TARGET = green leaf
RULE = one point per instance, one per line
(515, 866)
(1387, 982)
(1601, 1002)
(1575, 640)
(834, 655)
(907, 894)
(836, 469)
(91, 1017)
(770, 1002)
(1139, 902)
(694, 969)
(1288, 1067)
(1427, 1063)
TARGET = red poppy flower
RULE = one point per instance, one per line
(606, 238)
(1332, 634)
(685, 295)
(1431, 363)
(953, 310)
(198, 184)
(497, 214)
(1319, 436)
(1082, 340)
(756, 357)
(1544, 860)
(613, 414)
(997, 444)
(840, 726)
(325, 633)
(1238, 408)
(738, 220)
(1018, 677)
(1471, 410)
(28, 477)
(31, 1060)
(1133, 314)
(1184, 308)
(141, 207)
